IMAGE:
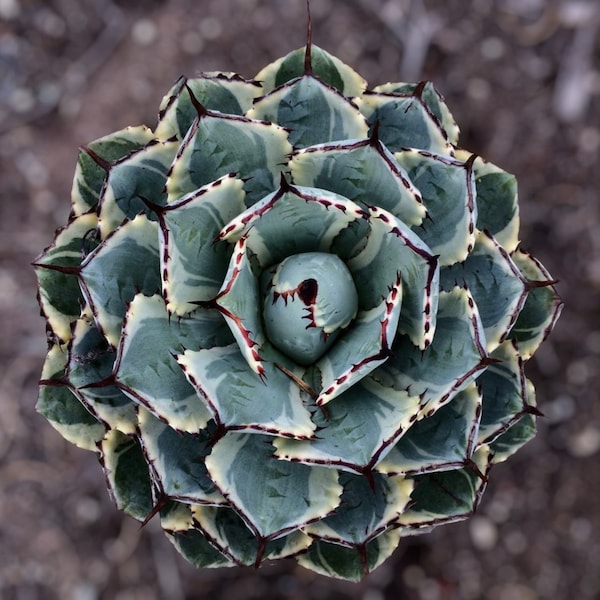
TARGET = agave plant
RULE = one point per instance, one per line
(292, 319)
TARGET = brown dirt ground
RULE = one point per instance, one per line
(522, 77)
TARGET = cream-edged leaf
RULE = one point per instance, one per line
(274, 497)
(239, 399)
(146, 368)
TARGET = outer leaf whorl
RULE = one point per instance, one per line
(293, 319)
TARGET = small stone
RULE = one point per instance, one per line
(585, 443)
(210, 28)
(144, 32)
(9, 9)
(512, 591)
(492, 48)
(192, 42)
(515, 542)
(484, 533)
(561, 409)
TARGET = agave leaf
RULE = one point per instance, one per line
(272, 227)
(403, 121)
(334, 560)
(177, 461)
(127, 474)
(368, 508)
(454, 358)
(497, 286)
(309, 299)
(448, 190)
(364, 171)
(312, 111)
(518, 434)
(444, 441)
(92, 167)
(197, 550)
(62, 408)
(67, 414)
(176, 516)
(224, 92)
(91, 361)
(447, 496)
(431, 98)
(126, 263)
(542, 307)
(362, 348)
(239, 302)
(56, 270)
(134, 182)
(147, 370)
(505, 445)
(356, 429)
(325, 66)
(497, 201)
(228, 532)
(392, 250)
(273, 497)
(192, 263)
(217, 145)
(239, 399)
(505, 393)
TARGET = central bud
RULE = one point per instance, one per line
(309, 299)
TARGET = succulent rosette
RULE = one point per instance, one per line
(292, 319)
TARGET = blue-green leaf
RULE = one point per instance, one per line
(356, 429)
(228, 532)
(363, 347)
(133, 182)
(497, 201)
(448, 190)
(447, 496)
(196, 549)
(224, 92)
(497, 286)
(364, 171)
(313, 112)
(239, 399)
(542, 307)
(239, 302)
(147, 370)
(292, 222)
(454, 358)
(91, 361)
(309, 299)
(368, 508)
(127, 474)
(353, 564)
(177, 459)
(124, 264)
(90, 174)
(193, 263)
(217, 145)
(176, 516)
(60, 405)
(443, 441)
(517, 435)
(505, 393)
(274, 497)
(431, 98)
(392, 251)
(56, 270)
(403, 121)
(325, 66)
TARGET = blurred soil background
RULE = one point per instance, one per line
(522, 78)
